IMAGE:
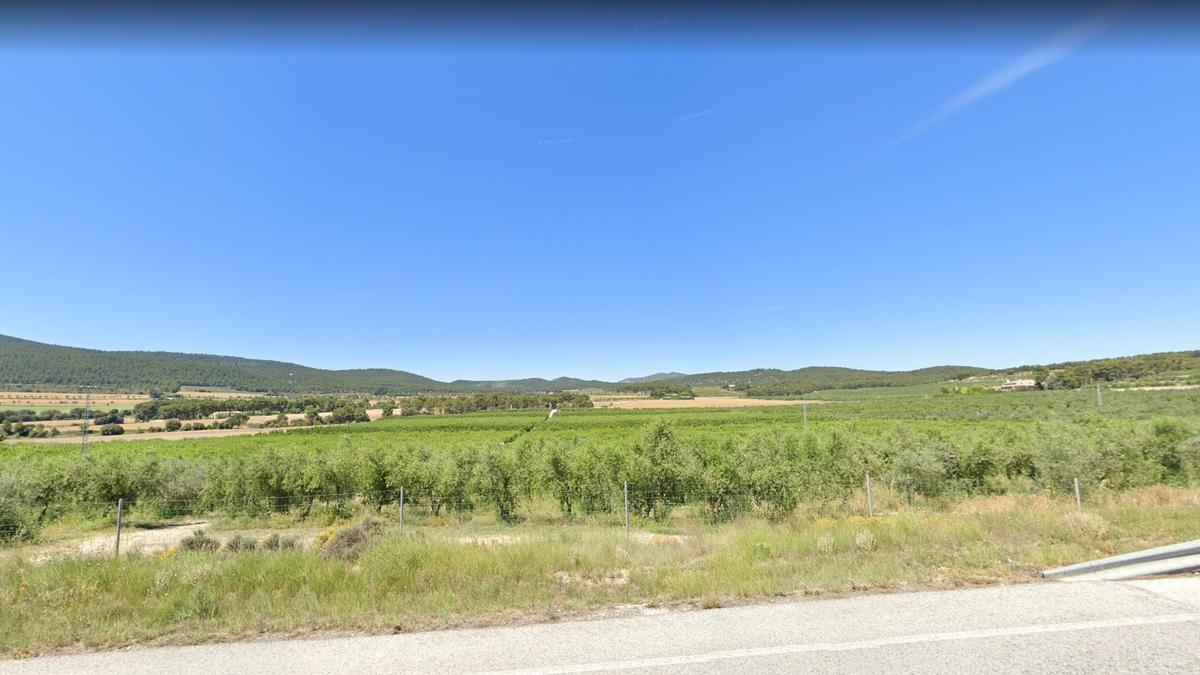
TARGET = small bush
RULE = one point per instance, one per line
(17, 521)
(274, 542)
(826, 544)
(199, 542)
(1087, 525)
(173, 425)
(238, 544)
(112, 430)
(864, 540)
(348, 542)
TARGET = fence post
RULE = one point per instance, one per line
(805, 407)
(870, 499)
(120, 516)
(626, 507)
(1078, 497)
(401, 508)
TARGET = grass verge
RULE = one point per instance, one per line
(420, 580)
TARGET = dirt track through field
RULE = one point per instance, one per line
(698, 402)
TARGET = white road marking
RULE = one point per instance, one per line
(850, 646)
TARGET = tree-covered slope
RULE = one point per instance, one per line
(28, 363)
(24, 362)
(830, 377)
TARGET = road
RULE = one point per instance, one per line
(1051, 627)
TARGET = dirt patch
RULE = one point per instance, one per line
(44, 399)
(133, 540)
(197, 393)
(698, 402)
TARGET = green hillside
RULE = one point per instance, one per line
(27, 363)
(828, 377)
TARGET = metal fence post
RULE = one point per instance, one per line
(401, 508)
(805, 407)
(870, 499)
(1078, 497)
(626, 507)
(120, 516)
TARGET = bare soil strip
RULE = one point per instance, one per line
(698, 402)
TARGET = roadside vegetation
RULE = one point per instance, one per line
(365, 575)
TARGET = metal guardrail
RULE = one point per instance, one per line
(1180, 557)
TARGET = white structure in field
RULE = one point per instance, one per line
(1017, 385)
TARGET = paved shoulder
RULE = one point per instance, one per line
(1040, 627)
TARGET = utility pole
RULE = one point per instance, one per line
(87, 410)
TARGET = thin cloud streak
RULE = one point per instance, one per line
(1030, 62)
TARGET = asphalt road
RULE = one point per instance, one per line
(1051, 627)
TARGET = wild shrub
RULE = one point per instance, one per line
(276, 542)
(17, 520)
(112, 429)
(348, 542)
(240, 544)
(199, 541)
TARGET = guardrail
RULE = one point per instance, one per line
(1182, 557)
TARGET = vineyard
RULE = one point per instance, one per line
(769, 462)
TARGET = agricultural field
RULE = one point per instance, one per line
(646, 403)
(39, 401)
(513, 515)
(731, 461)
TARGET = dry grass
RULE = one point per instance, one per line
(429, 578)
(198, 393)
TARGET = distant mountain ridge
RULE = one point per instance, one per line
(831, 375)
(29, 363)
(25, 362)
(656, 377)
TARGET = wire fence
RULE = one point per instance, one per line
(626, 505)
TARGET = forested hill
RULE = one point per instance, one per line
(28, 363)
(828, 377)
(35, 363)
(24, 362)
(1164, 367)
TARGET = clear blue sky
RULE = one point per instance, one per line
(491, 210)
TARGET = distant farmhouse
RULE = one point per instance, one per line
(1017, 385)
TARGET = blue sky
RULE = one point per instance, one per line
(468, 210)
